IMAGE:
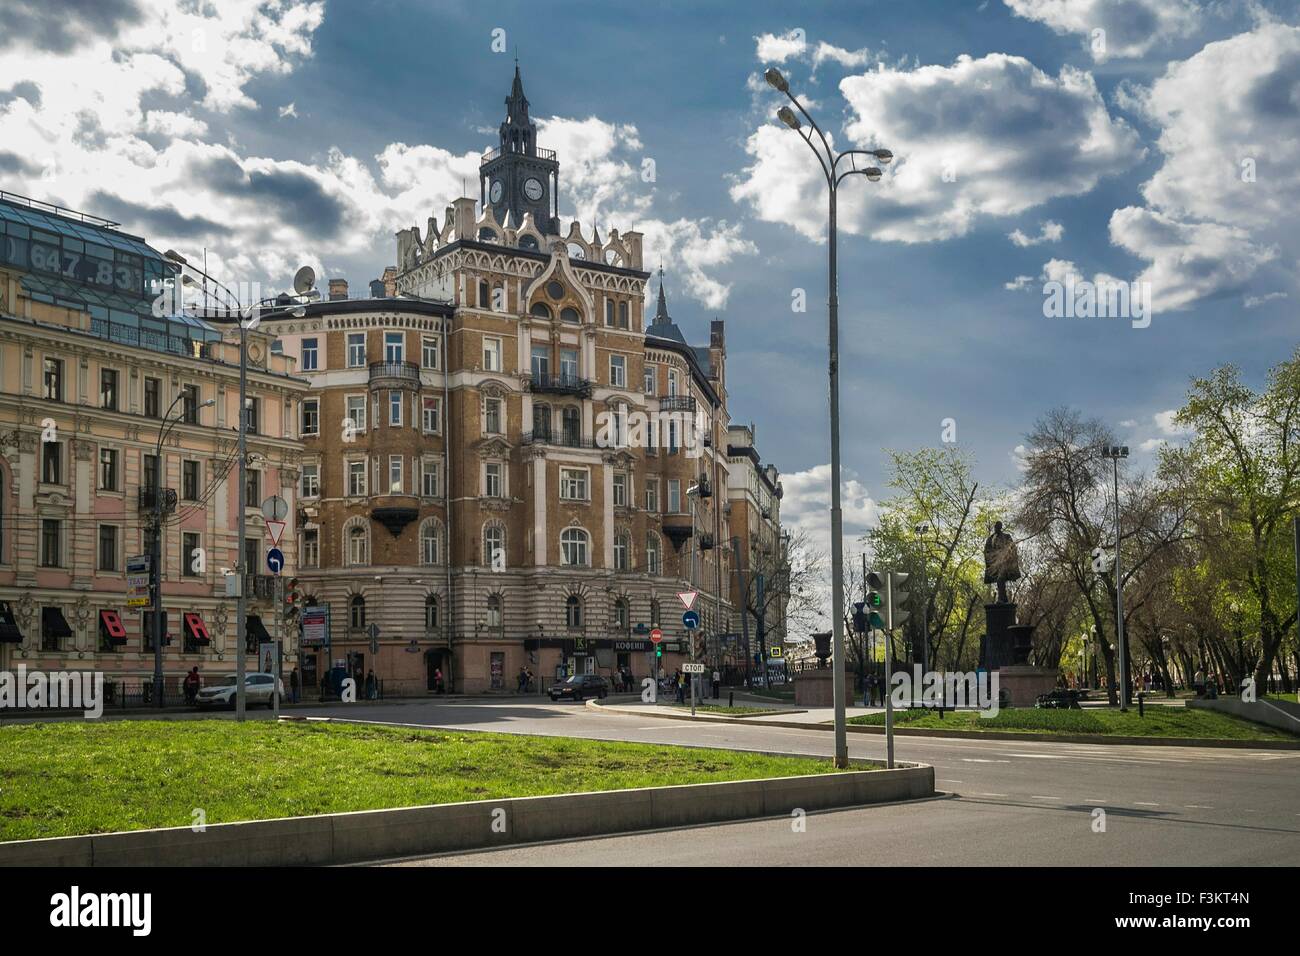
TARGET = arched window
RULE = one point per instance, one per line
(622, 617)
(486, 234)
(574, 548)
(654, 613)
(431, 612)
(495, 619)
(622, 551)
(576, 251)
(539, 309)
(527, 241)
(571, 426)
(570, 314)
(494, 545)
(652, 553)
(573, 611)
(356, 541)
(541, 422)
(357, 613)
(430, 541)
(622, 315)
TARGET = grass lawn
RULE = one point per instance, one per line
(59, 779)
(738, 710)
(1158, 722)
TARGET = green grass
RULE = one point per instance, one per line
(59, 779)
(1158, 722)
(738, 710)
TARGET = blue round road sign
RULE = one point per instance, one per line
(691, 620)
(275, 560)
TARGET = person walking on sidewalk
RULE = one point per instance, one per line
(717, 684)
(295, 683)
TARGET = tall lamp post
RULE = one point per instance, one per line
(245, 315)
(922, 530)
(1115, 453)
(829, 161)
(155, 551)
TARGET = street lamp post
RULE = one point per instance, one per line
(922, 530)
(829, 162)
(1115, 453)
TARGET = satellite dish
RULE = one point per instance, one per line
(304, 280)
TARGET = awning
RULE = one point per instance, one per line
(9, 633)
(256, 630)
(53, 623)
(196, 630)
(110, 628)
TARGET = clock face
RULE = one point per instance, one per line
(495, 193)
(533, 189)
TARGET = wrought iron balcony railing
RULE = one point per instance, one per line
(400, 372)
(560, 439)
(559, 385)
(677, 403)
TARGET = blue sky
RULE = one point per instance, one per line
(274, 134)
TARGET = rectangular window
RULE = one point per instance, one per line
(429, 478)
(492, 479)
(190, 480)
(149, 478)
(53, 380)
(674, 496)
(394, 347)
(311, 548)
(356, 349)
(573, 484)
(310, 482)
(107, 547)
(569, 364)
(189, 544)
(52, 463)
(395, 409)
(311, 416)
(51, 543)
(356, 478)
(153, 397)
(394, 474)
(429, 352)
(108, 388)
(623, 320)
(491, 355)
(609, 312)
(652, 496)
(310, 355)
(430, 415)
(492, 416)
(356, 408)
(190, 404)
(650, 377)
(618, 371)
(620, 489)
(541, 362)
(254, 415)
(108, 469)
(253, 488)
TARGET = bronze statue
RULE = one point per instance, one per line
(1001, 561)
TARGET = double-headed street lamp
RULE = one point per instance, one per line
(1115, 453)
(829, 161)
(244, 315)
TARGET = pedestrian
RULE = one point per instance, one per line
(717, 684)
(295, 683)
(437, 680)
(191, 685)
(371, 685)
(681, 687)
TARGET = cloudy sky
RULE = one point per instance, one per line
(1149, 141)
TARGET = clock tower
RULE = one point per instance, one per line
(517, 177)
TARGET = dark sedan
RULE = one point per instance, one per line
(579, 687)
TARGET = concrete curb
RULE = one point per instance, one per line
(414, 831)
(975, 734)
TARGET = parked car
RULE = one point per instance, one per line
(579, 687)
(257, 690)
(1059, 699)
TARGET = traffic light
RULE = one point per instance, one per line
(895, 598)
(875, 603)
(859, 617)
(659, 651)
(292, 600)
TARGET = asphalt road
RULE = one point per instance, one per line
(1006, 802)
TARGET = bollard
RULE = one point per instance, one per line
(1141, 696)
(731, 698)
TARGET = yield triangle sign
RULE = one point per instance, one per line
(687, 598)
(276, 530)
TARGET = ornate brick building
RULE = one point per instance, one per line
(507, 462)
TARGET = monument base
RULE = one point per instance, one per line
(816, 688)
(1021, 684)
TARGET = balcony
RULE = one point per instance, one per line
(537, 151)
(394, 375)
(147, 499)
(704, 489)
(677, 403)
(559, 439)
(558, 385)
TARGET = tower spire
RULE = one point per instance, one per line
(661, 314)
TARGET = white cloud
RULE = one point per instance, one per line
(1255, 301)
(771, 48)
(1019, 283)
(829, 52)
(1129, 28)
(992, 136)
(1049, 232)
(290, 110)
(807, 505)
(1165, 422)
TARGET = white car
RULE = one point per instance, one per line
(257, 690)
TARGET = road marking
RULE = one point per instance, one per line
(1142, 803)
(1201, 806)
(1039, 796)
(949, 780)
(982, 760)
(992, 795)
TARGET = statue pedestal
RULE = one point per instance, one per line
(816, 688)
(1022, 684)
